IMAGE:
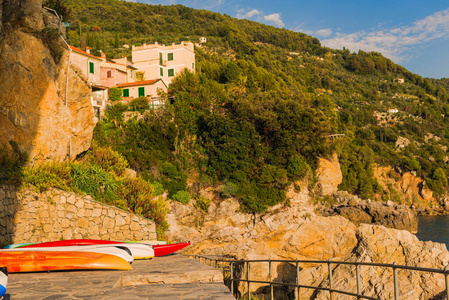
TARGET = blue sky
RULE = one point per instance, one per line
(413, 33)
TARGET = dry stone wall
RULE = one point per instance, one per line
(28, 216)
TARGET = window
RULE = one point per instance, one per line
(91, 68)
(171, 72)
(109, 74)
(125, 92)
(161, 71)
(131, 73)
(193, 66)
(141, 91)
(170, 56)
(160, 59)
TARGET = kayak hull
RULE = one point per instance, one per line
(42, 261)
(105, 249)
(162, 250)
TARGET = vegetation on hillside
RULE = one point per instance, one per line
(257, 113)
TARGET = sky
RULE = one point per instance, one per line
(412, 33)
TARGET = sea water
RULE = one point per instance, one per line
(434, 228)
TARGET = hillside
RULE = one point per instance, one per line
(257, 113)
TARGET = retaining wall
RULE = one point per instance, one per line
(28, 216)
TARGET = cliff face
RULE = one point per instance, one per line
(296, 232)
(33, 66)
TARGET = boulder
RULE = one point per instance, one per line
(35, 111)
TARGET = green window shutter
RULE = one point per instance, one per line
(193, 66)
(160, 59)
(142, 91)
(170, 56)
(171, 72)
(125, 92)
(91, 68)
(161, 71)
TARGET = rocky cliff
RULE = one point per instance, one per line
(296, 232)
(34, 110)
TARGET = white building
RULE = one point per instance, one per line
(164, 61)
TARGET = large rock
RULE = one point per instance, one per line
(391, 216)
(33, 111)
(378, 244)
(328, 175)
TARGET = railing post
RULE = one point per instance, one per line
(247, 278)
(298, 289)
(396, 284)
(359, 286)
(271, 283)
(446, 277)
(331, 294)
(232, 278)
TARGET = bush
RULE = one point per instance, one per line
(297, 167)
(12, 162)
(139, 103)
(106, 158)
(228, 189)
(182, 196)
(173, 180)
(115, 93)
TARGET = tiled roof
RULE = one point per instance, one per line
(138, 83)
(83, 52)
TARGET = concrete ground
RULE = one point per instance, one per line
(168, 277)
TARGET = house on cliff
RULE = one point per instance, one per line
(147, 88)
(164, 61)
(88, 67)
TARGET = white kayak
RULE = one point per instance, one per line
(138, 251)
(124, 253)
(3, 281)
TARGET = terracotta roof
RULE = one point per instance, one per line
(84, 53)
(137, 83)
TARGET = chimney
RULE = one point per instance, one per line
(103, 55)
(88, 50)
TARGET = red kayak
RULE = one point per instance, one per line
(75, 242)
(161, 250)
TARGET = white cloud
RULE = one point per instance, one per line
(241, 14)
(324, 32)
(260, 16)
(274, 19)
(394, 42)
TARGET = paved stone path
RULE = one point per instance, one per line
(168, 277)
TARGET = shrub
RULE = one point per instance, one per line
(106, 158)
(182, 196)
(45, 176)
(297, 167)
(202, 203)
(115, 93)
(173, 179)
(12, 162)
(228, 189)
(139, 103)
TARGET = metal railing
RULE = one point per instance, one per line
(228, 266)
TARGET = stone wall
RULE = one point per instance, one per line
(28, 216)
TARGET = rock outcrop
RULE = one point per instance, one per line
(359, 211)
(296, 232)
(328, 175)
(34, 110)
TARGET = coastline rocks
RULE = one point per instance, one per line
(378, 244)
(389, 215)
(296, 232)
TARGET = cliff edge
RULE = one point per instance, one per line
(48, 118)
